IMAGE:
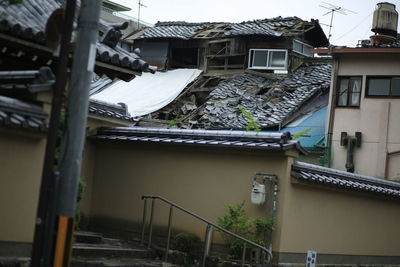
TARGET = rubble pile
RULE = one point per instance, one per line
(272, 102)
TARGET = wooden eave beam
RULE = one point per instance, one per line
(352, 50)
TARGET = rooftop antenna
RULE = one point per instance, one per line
(138, 16)
(332, 9)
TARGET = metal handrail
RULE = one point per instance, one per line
(210, 226)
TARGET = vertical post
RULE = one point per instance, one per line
(144, 220)
(151, 222)
(43, 233)
(207, 243)
(77, 110)
(243, 255)
(169, 232)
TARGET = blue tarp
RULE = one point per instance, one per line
(315, 122)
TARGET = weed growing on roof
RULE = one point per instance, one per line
(252, 124)
(301, 134)
(175, 121)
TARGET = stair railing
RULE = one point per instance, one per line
(209, 230)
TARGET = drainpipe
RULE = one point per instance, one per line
(331, 117)
(350, 154)
(350, 142)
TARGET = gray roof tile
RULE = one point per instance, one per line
(28, 21)
(269, 102)
(18, 114)
(265, 141)
(268, 27)
(341, 179)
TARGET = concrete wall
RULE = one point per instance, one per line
(377, 118)
(21, 161)
(334, 223)
(202, 180)
(338, 222)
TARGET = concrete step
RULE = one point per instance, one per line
(119, 263)
(88, 237)
(106, 251)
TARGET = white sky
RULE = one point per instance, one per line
(347, 29)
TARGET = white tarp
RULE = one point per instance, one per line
(149, 92)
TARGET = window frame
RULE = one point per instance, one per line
(251, 59)
(380, 77)
(349, 92)
(302, 48)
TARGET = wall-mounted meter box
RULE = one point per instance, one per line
(258, 193)
(311, 258)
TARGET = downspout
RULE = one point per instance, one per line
(335, 71)
(350, 154)
(350, 142)
(386, 172)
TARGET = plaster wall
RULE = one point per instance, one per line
(376, 118)
(21, 161)
(338, 222)
(202, 180)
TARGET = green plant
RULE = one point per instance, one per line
(301, 134)
(187, 242)
(237, 222)
(177, 120)
(251, 124)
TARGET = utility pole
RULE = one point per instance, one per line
(74, 137)
(43, 241)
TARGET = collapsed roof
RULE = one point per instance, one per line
(275, 27)
(271, 101)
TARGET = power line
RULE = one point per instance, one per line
(352, 29)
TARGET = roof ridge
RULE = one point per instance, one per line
(344, 174)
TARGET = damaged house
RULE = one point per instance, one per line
(257, 74)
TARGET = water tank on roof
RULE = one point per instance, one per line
(385, 19)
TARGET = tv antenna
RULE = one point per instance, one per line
(140, 5)
(332, 9)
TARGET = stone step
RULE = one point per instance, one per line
(119, 263)
(98, 251)
(88, 237)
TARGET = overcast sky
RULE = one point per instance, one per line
(347, 29)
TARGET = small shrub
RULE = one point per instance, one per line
(187, 242)
(237, 222)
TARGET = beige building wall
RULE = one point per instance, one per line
(21, 161)
(377, 118)
(330, 221)
(203, 180)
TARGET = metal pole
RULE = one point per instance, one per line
(151, 222)
(144, 221)
(243, 255)
(169, 232)
(207, 243)
(77, 110)
(43, 219)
